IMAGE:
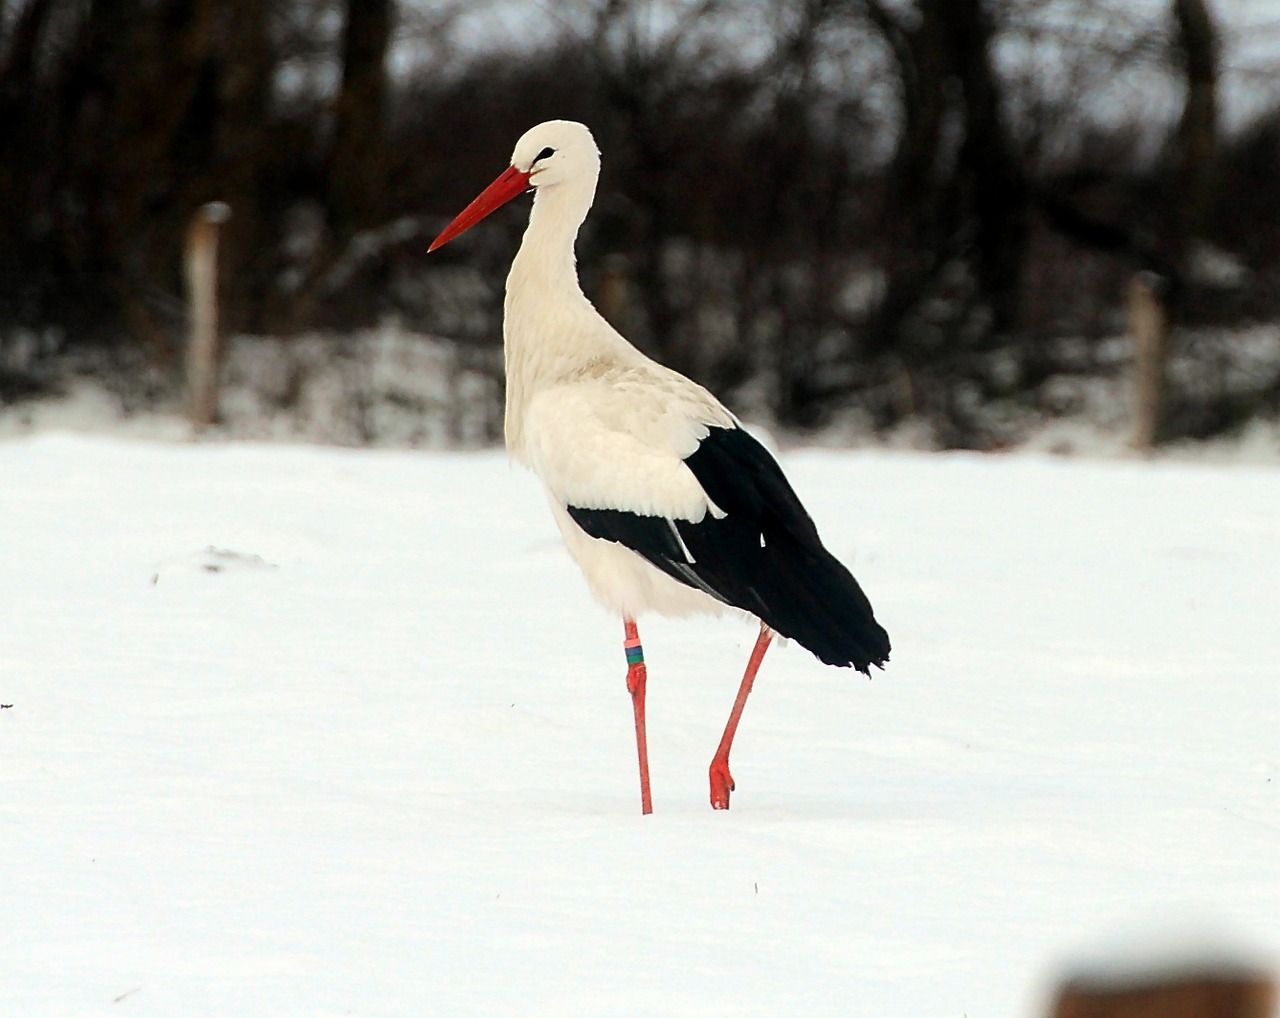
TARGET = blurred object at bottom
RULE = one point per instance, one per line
(1208, 991)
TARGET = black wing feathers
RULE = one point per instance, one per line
(764, 556)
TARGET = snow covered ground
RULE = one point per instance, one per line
(303, 731)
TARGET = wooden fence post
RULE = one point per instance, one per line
(1149, 326)
(202, 296)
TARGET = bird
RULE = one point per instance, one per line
(664, 500)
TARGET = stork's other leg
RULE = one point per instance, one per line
(721, 779)
(636, 678)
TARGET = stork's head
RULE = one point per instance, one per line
(558, 152)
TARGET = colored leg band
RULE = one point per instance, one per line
(635, 654)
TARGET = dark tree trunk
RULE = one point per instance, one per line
(919, 183)
(956, 188)
(357, 166)
(992, 178)
(241, 146)
(1197, 137)
(126, 104)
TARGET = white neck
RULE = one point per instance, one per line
(550, 328)
(545, 267)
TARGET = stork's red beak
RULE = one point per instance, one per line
(512, 182)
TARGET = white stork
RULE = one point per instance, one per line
(663, 500)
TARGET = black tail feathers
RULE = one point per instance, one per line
(817, 602)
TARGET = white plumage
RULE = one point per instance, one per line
(628, 449)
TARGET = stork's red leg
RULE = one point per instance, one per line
(721, 779)
(636, 678)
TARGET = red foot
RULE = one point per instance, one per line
(721, 779)
(721, 784)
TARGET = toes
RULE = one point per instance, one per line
(721, 785)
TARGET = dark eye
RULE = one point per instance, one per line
(546, 153)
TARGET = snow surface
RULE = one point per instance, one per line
(303, 731)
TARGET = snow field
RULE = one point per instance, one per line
(310, 731)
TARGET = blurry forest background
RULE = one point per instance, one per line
(880, 213)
